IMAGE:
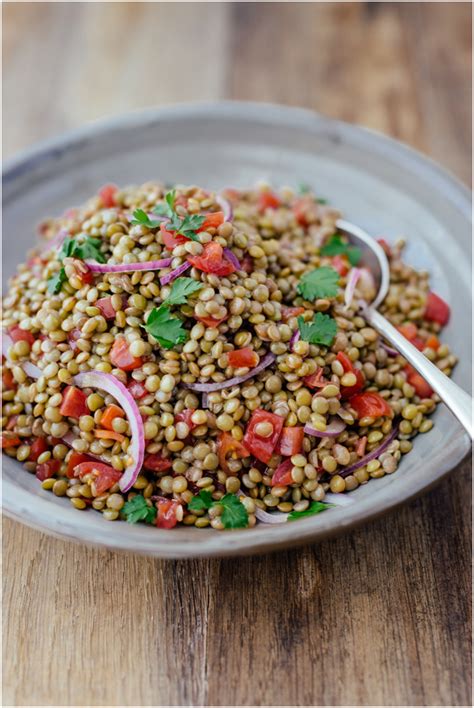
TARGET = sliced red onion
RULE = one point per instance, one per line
(335, 427)
(232, 258)
(294, 338)
(338, 499)
(7, 342)
(390, 351)
(354, 276)
(226, 207)
(127, 267)
(173, 274)
(205, 401)
(276, 517)
(267, 360)
(30, 369)
(371, 455)
(367, 284)
(110, 384)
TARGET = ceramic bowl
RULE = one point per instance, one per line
(380, 184)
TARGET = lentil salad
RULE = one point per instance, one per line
(175, 356)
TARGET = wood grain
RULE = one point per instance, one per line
(378, 617)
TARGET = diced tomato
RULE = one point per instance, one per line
(315, 380)
(348, 366)
(300, 209)
(422, 387)
(105, 476)
(212, 321)
(386, 247)
(166, 517)
(11, 423)
(109, 415)
(410, 332)
(109, 435)
(9, 440)
(86, 278)
(121, 357)
(243, 357)
(341, 264)
(262, 448)
(137, 389)
(282, 475)
(370, 404)
(226, 445)
(8, 379)
(156, 463)
(360, 446)
(37, 447)
(73, 336)
(213, 260)
(106, 308)
(231, 194)
(212, 221)
(267, 200)
(48, 469)
(18, 334)
(74, 402)
(289, 312)
(185, 417)
(291, 441)
(75, 459)
(437, 310)
(247, 263)
(170, 239)
(433, 342)
(107, 195)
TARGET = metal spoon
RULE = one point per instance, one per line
(374, 258)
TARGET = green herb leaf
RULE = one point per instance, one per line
(56, 281)
(166, 209)
(182, 289)
(321, 282)
(166, 329)
(142, 219)
(67, 248)
(89, 248)
(187, 226)
(336, 246)
(202, 502)
(303, 188)
(321, 330)
(138, 510)
(322, 201)
(315, 508)
(234, 515)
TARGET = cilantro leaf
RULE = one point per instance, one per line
(165, 328)
(56, 281)
(336, 246)
(141, 218)
(138, 510)
(315, 508)
(89, 248)
(321, 330)
(202, 502)
(182, 288)
(321, 282)
(234, 515)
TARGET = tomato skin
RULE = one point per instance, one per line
(211, 321)
(106, 308)
(185, 417)
(282, 475)
(111, 412)
(105, 476)
(422, 387)
(9, 440)
(75, 459)
(243, 357)
(262, 448)
(341, 264)
(370, 404)
(212, 221)
(437, 310)
(156, 463)
(37, 447)
(433, 342)
(409, 330)
(348, 366)
(121, 358)
(107, 195)
(74, 403)
(137, 389)
(289, 312)
(170, 239)
(166, 517)
(300, 209)
(227, 443)
(86, 278)
(17, 334)
(212, 260)
(315, 380)
(291, 441)
(48, 469)
(267, 200)
(8, 379)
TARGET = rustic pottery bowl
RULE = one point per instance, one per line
(378, 183)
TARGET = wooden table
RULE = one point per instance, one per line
(380, 616)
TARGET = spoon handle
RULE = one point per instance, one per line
(457, 400)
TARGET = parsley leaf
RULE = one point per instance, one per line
(56, 281)
(303, 188)
(141, 218)
(322, 201)
(315, 508)
(166, 209)
(202, 502)
(89, 248)
(138, 510)
(234, 514)
(321, 282)
(187, 226)
(182, 288)
(321, 330)
(67, 248)
(165, 328)
(336, 246)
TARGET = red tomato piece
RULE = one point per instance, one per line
(212, 321)
(170, 239)
(267, 200)
(291, 441)
(166, 517)
(370, 404)
(156, 463)
(315, 380)
(243, 357)
(301, 207)
(262, 448)
(422, 387)
(86, 278)
(433, 342)
(109, 415)
(9, 440)
(74, 402)
(107, 195)
(185, 417)
(18, 334)
(409, 330)
(227, 444)
(48, 469)
(121, 357)
(106, 308)
(37, 447)
(282, 475)
(137, 389)
(341, 264)
(105, 476)
(213, 260)
(75, 459)
(348, 366)
(11, 423)
(8, 379)
(212, 221)
(437, 310)
(289, 312)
